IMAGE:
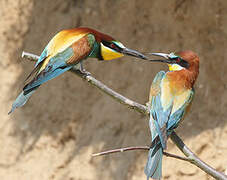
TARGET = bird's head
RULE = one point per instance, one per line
(183, 60)
(183, 66)
(107, 48)
(114, 49)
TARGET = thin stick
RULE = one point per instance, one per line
(29, 56)
(144, 110)
(176, 156)
(133, 148)
(146, 148)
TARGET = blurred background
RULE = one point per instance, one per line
(53, 136)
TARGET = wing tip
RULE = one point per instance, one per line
(10, 112)
(12, 109)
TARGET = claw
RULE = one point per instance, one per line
(82, 73)
(85, 73)
(80, 70)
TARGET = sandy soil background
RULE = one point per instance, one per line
(66, 120)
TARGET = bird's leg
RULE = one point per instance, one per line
(83, 71)
(80, 70)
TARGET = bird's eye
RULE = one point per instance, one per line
(113, 46)
(177, 59)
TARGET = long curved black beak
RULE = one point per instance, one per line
(133, 53)
(166, 56)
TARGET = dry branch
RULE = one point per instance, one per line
(192, 158)
(133, 148)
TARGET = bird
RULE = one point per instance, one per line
(170, 98)
(67, 49)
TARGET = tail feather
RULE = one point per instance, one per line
(22, 99)
(153, 168)
(38, 80)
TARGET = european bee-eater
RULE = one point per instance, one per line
(171, 94)
(69, 48)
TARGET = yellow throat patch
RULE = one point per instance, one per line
(175, 67)
(109, 54)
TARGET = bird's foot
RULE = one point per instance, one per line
(83, 72)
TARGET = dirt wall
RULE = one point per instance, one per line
(66, 120)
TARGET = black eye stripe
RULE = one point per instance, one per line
(180, 61)
(106, 43)
(112, 45)
(177, 58)
(184, 63)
